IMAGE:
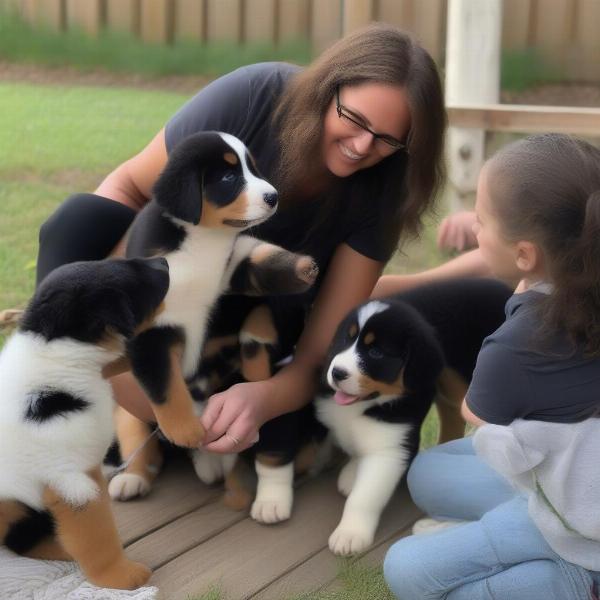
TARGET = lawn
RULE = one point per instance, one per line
(55, 141)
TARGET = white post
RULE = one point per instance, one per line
(472, 77)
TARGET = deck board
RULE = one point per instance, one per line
(320, 570)
(193, 542)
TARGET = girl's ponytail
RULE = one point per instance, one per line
(546, 189)
(590, 236)
(575, 305)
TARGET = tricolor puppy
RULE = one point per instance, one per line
(207, 194)
(56, 413)
(261, 478)
(388, 361)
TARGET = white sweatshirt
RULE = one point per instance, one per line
(557, 465)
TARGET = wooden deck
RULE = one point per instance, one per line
(193, 542)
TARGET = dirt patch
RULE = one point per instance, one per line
(30, 73)
(568, 94)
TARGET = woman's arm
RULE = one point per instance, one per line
(469, 264)
(469, 416)
(243, 408)
(131, 182)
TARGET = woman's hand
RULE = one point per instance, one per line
(456, 231)
(233, 417)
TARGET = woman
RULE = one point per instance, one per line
(353, 144)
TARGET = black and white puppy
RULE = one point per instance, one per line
(56, 413)
(387, 362)
(207, 194)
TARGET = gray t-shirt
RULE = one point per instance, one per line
(519, 375)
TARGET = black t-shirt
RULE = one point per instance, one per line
(242, 103)
(522, 375)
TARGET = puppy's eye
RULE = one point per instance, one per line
(375, 352)
(228, 177)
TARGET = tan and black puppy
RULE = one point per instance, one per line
(389, 360)
(56, 409)
(207, 194)
(261, 478)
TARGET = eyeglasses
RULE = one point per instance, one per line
(345, 113)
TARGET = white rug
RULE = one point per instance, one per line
(27, 579)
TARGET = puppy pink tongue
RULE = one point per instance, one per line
(343, 398)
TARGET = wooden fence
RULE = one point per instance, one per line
(565, 32)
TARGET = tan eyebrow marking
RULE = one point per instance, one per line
(369, 338)
(231, 158)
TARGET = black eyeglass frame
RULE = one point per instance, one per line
(345, 112)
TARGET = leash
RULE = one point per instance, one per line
(127, 462)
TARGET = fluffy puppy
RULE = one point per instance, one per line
(56, 413)
(207, 194)
(388, 360)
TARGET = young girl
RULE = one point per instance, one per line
(528, 483)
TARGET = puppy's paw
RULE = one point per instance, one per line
(124, 574)
(208, 466)
(347, 477)
(274, 493)
(186, 435)
(348, 540)
(274, 270)
(125, 486)
(272, 510)
(307, 270)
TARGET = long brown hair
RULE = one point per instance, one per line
(378, 53)
(546, 189)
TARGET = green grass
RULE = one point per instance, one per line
(354, 581)
(122, 52)
(55, 141)
(522, 69)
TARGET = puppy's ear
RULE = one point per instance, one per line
(179, 187)
(179, 191)
(110, 309)
(425, 358)
(85, 316)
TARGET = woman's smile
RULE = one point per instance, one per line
(348, 153)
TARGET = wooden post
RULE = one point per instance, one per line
(472, 77)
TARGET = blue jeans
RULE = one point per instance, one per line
(498, 555)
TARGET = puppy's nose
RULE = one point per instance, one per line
(271, 199)
(339, 374)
